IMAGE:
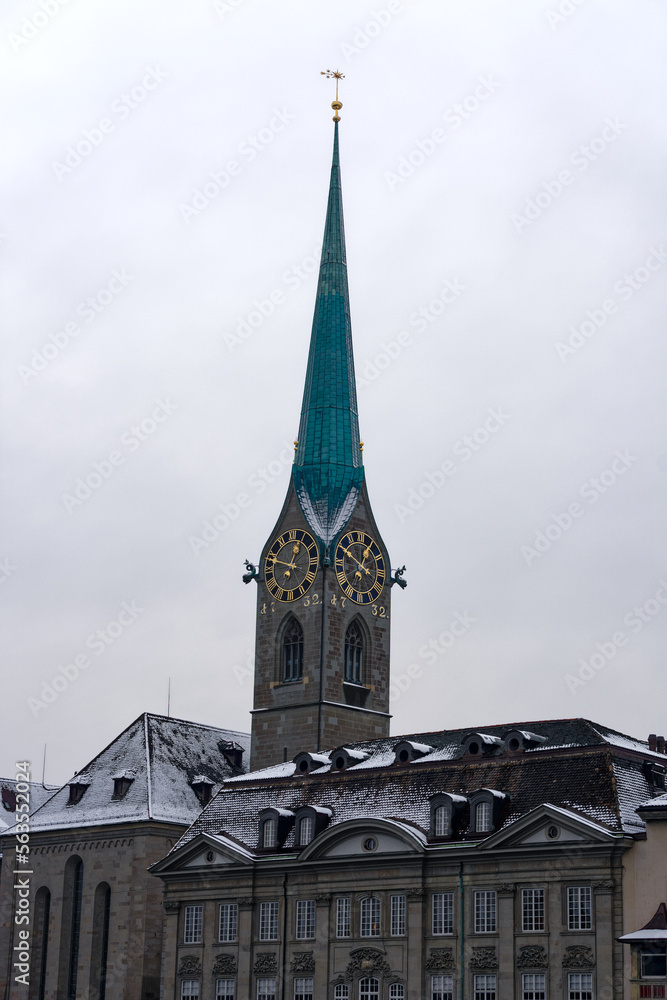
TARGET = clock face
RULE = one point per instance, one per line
(360, 567)
(291, 565)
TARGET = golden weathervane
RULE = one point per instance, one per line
(334, 75)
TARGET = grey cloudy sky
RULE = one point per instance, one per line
(166, 169)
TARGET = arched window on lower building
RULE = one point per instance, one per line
(100, 946)
(71, 929)
(354, 653)
(40, 949)
(292, 652)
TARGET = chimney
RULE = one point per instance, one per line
(652, 742)
(660, 741)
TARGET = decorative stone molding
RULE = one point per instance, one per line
(605, 883)
(190, 966)
(532, 956)
(266, 964)
(303, 962)
(439, 958)
(245, 901)
(506, 889)
(323, 898)
(416, 894)
(483, 958)
(578, 956)
(368, 960)
(172, 905)
(225, 965)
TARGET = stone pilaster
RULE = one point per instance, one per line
(417, 900)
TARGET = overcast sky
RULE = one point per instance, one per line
(166, 169)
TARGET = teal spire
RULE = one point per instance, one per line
(328, 470)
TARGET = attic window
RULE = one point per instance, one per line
(269, 833)
(442, 820)
(121, 786)
(344, 757)
(306, 827)
(448, 814)
(232, 752)
(203, 788)
(481, 743)
(407, 751)
(486, 809)
(483, 817)
(77, 790)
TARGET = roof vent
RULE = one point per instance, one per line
(407, 751)
(306, 762)
(480, 744)
(521, 739)
(344, 757)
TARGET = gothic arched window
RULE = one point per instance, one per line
(354, 653)
(293, 652)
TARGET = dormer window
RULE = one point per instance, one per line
(77, 790)
(407, 751)
(274, 827)
(480, 744)
(305, 762)
(486, 806)
(344, 757)
(121, 786)
(203, 788)
(448, 814)
(233, 754)
(309, 822)
(519, 739)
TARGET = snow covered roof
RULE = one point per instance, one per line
(588, 769)
(37, 795)
(164, 756)
(654, 930)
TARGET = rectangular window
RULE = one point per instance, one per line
(268, 922)
(580, 986)
(485, 988)
(342, 992)
(193, 924)
(343, 912)
(397, 991)
(397, 916)
(228, 923)
(485, 912)
(533, 987)
(305, 919)
(266, 989)
(532, 909)
(305, 831)
(269, 833)
(579, 908)
(442, 914)
(442, 987)
(370, 917)
(303, 988)
(653, 962)
(225, 989)
(190, 989)
(442, 821)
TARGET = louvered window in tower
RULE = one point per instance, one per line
(293, 652)
(354, 653)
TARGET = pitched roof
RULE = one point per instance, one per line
(162, 756)
(588, 769)
(37, 795)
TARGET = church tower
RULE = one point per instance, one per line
(324, 579)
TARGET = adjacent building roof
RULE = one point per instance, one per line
(654, 930)
(36, 795)
(585, 768)
(147, 773)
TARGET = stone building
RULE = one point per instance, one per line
(480, 865)
(96, 928)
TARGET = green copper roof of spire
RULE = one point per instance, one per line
(328, 469)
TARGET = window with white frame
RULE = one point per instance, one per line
(225, 989)
(580, 986)
(306, 827)
(370, 916)
(442, 820)
(305, 919)
(343, 916)
(268, 921)
(342, 992)
(579, 908)
(442, 987)
(534, 986)
(266, 989)
(482, 817)
(190, 989)
(485, 911)
(228, 923)
(397, 991)
(442, 913)
(532, 909)
(303, 988)
(369, 989)
(269, 833)
(193, 924)
(485, 988)
(397, 916)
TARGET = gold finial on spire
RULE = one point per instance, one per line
(334, 75)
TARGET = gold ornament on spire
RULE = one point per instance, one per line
(334, 75)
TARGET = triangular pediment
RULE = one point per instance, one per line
(206, 851)
(549, 825)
